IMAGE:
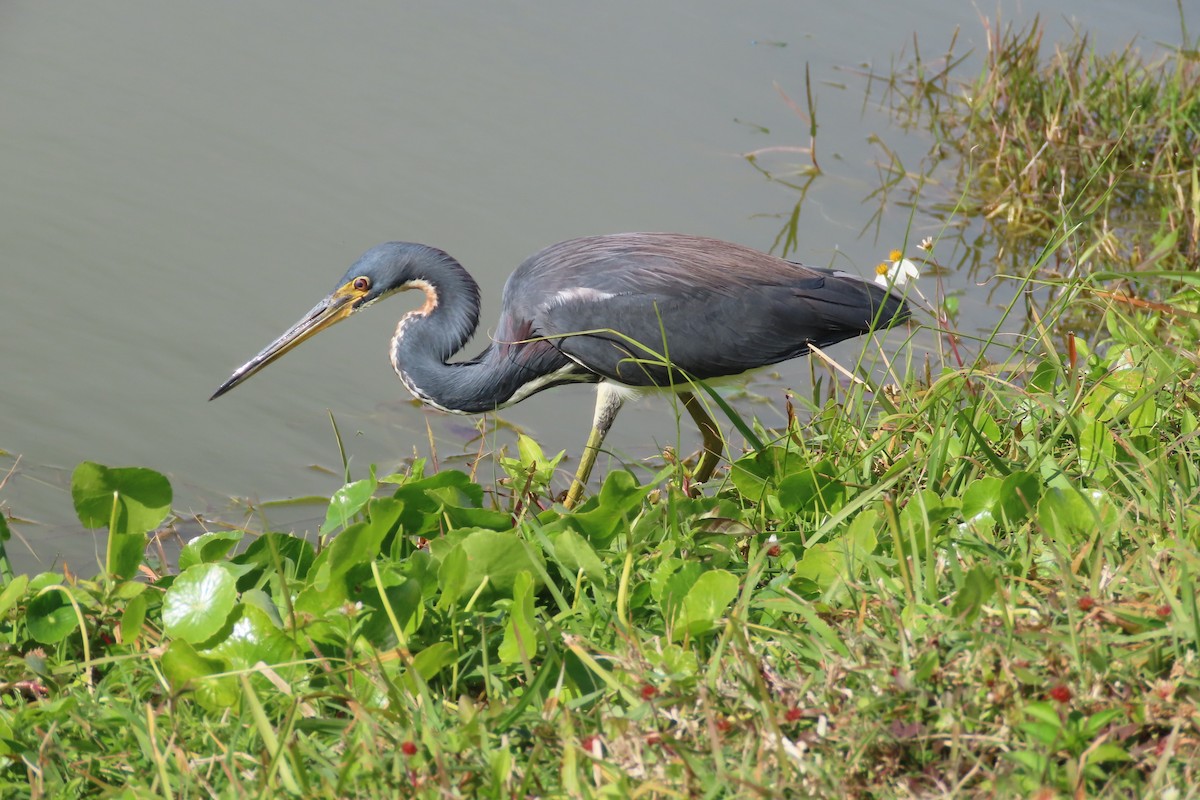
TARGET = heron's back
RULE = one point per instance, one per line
(623, 305)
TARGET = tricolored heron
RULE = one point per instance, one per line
(626, 311)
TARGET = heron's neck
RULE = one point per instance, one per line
(427, 338)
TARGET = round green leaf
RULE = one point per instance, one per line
(50, 616)
(187, 669)
(1019, 495)
(199, 602)
(707, 600)
(983, 495)
(208, 547)
(1067, 512)
(812, 489)
(253, 638)
(499, 557)
(143, 497)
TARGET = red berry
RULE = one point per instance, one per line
(1086, 603)
(1163, 611)
(648, 691)
(409, 748)
(1061, 694)
(793, 714)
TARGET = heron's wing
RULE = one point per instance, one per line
(671, 263)
(710, 332)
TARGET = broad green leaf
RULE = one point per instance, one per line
(977, 588)
(461, 517)
(187, 669)
(279, 550)
(1019, 495)
(982, 496)
(675, 662)
(531, 464)
(50, 616)
(811, 489)
(198, 603)
(124, 554)
(253, 637)
(1044, 712)
(351, 549)
(452, 577)
(43, 580)
(1100, 720)
(671, 581)
(706, 602)
(143, 497)
(128, 590)
(756, 475)
(1066, 513)
(264, 603)
(823, 564)
(1031, 761)
(132, 619)
(13, 592)
(1097, 448)
(1048, 734)
(574, 553)
(208, 547)
(434, 659)
(404, 595)
(922, 521)
(429, 662)
(842, 558)
(499, 557)
(619, 501)
(346, 503)
(1108, 753)
(520, 643)
(529, 451)
(1044, 377)
(424, 500)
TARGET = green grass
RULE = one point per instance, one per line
(979, 581)
(1052, 135)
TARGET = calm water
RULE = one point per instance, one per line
(181, 181)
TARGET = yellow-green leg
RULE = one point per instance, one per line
(714, 445)
(608, 403)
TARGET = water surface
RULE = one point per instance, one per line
(181, 181)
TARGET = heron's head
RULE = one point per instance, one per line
(381, 271)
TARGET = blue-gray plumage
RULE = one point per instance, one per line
(630, 309)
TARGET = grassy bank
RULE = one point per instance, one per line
(965, 577)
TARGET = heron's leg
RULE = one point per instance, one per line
(714, 445)
(608, 403)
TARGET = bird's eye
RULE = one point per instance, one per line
(362, 283)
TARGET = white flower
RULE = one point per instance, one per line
(896, 271)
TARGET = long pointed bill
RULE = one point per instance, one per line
(331, 310)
